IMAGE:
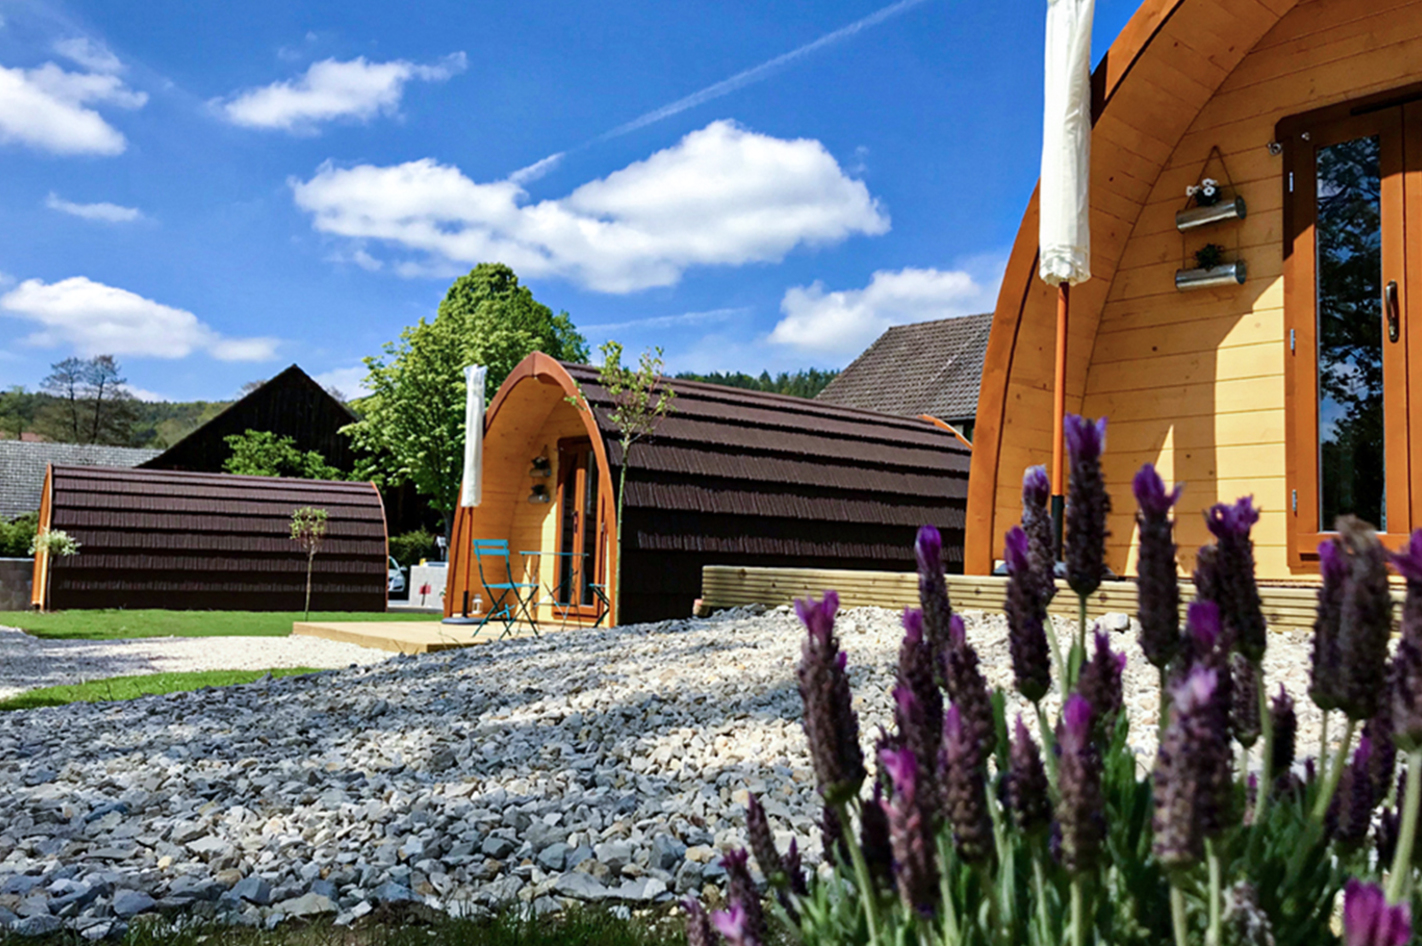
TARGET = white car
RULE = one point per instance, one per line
(396, 586)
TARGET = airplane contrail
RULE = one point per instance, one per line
(756, 73)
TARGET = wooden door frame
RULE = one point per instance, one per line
(570, 446)
(1401, 188)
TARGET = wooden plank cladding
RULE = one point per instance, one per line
(203, 541)
(1202, 385)
(727, 587)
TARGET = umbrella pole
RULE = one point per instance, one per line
(1059, 418)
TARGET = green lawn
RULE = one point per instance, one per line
(114, 624)
(131, 688)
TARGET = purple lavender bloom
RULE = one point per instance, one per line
(832, 840)
(744, 898)
(1193, 753)
(698, 925)
(762, 842)
(1408, 563)
(1378, 731)
(1244, 718)
(919, 721)
(1026, 620)
(795, 871)
(874, 836)
(831, 725)
(969, 690)
(1365, 626)
(1157, 581)
(1028, 795)
(1285, 722)
(736, 925)
(912, 839)
(1238, 599)
(1323, 670)
(964, 779)
(1079, 785)
(1087, 504)
(1100, 681)
(1041, 531)
(1369, 921)
(1407, 695)
(1351, 811)
(932, 588)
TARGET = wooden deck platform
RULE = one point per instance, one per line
(408, 637)
(724, 586)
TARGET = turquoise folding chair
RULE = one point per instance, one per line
(501, 608)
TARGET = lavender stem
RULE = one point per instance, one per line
(1399, 882)
(1323, 746)
(950, 916)
(1080, 634)
(861, 875)
(1078, 913)
(1335, 772)
(1212, 858)
(1266, 777)
(1177, 916)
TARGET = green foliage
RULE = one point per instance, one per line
(412, 423)
(89, 402)
(133, 687)
(806, 383)
(17, 535)
(409, 548)
(19, 410)
(54, 542)
(125, 624)
(263, 453)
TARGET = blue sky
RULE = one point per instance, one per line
(213, 191)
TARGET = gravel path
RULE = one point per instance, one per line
(594, 764)
(29, 662)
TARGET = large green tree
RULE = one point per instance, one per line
(412, 422)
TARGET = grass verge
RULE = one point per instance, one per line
(131, 688)
(117, 623)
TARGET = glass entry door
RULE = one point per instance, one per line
(1356, 182)
(579, 527)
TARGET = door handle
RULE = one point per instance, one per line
(1394, 317)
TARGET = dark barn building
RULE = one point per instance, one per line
(731, 477)
(197, 541)
(289, 405)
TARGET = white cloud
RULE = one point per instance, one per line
(330, 90)
(844, 322)
(93, 56)
(143, 394)
(108, 213)
(48, 108)
(722, 196)
(349, 381)
(667, 321)
(97, 319)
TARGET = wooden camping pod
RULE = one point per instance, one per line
(1201, 385)
(730, 477)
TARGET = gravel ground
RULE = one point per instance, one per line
(29, 662)
(594, 764)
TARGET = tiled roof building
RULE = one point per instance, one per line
(929, 368)
(22, 468)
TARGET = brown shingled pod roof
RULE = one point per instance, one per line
(167, 539)
(743, 477)
(929, 368)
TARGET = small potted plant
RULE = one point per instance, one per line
(1210, 270)
(1209, 256)
(1206, 193)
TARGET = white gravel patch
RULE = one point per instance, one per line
(593, 764)
(27, 663)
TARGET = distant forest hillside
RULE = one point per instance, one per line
(129, 423)
(806, 383)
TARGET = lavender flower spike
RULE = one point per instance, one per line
(1100, 681)
(698, 925)
(1028, 794)
(1323, 669)
(744, 898)
(1041, 532)
(965, 789)
(1408, 563)
(932, 588)
(831, 725)
(919, 727)
(762, 842)
(1157, 581)
(1244, 719)
(969, 690)
(1352, 807)
(735, 925)
(1026, 620)
(1079, 784)
(1238, 595)
(1087, 504)
(909, 833)
(1285, 722)
(1365, 627)
(1188, 786)
(1369, 921)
